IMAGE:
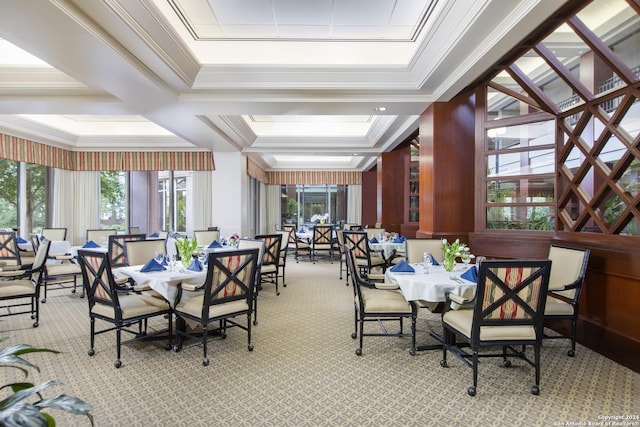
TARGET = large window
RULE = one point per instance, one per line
(172, 200)
(113, 200)
(22, 196)
(312, 204)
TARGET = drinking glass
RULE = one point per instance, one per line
(466, 261)
(172, 262)
(427, 261)
(202, 255)
(159, 256)
(479, 260)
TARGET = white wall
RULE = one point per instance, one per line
(230, 193)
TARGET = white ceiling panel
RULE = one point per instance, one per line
(293, 84)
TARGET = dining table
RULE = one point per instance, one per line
(429, 285)
(166, 281)
(387, 248)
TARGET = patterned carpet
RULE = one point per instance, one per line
(304, 372)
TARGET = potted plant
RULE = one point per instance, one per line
(15, 410)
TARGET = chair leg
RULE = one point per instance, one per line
(572, 352)
(92, 336)
(536, 388)
(472, 390)
(359, 349)
(118, 363)
(205, 359)
(412, 351)
(249, 344)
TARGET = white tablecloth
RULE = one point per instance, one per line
(432, 286)
(164, 282)
(387, 247)
(74, 250)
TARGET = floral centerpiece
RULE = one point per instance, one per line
(387, 236)
(453, 250)
(321, 218)
(233, 240)
(186, 248)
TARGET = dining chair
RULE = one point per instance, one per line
(415, 248)
(227, 293)
(291, 228)
(284, 249)
(260, 245)
(59, 233)
(506, 311)
(374, 232)
(322, 241)
(61, 271)
(568, 270)
(342, 251)
(139, 252)
(22, 284)
(9, 251)
(116, 248)
(371, 264)
(123, 310)
(206, 237)
(270, 259)
(100, 235)
(378, 302)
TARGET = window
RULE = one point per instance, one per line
(312, 204)
(172, 200)
(22, 196)
(565, 115)
(113, 200)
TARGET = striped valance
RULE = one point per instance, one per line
(315, 177)
(24, 150)
(256, 172)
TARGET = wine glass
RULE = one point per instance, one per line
(466, 260)
(159, 256)
(172, 262)
(202, 255)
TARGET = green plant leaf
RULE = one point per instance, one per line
(23, 414)
(69, 404)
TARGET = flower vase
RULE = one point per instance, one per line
(449, 263)
(186, 259)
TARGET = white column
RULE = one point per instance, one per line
(230, 193)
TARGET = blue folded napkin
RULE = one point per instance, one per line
(215, 244)
(434, 261)
(20, 240)
(373, 240)
(195, 265)
(91, 244)
(402, 267)
(155, 235)
(152, 265)
(399, 239)
(471, 274)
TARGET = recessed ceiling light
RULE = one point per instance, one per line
(381, 109)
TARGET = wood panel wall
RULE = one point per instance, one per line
(369, 198)
(447, 164)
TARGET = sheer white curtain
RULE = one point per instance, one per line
(265, 227)
(354, 204)
(202, 204)
(273, 207)
(76, 203)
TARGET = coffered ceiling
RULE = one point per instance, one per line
(294, 84)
